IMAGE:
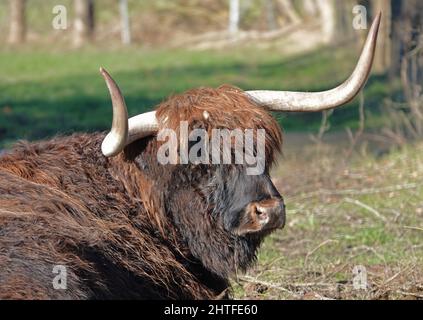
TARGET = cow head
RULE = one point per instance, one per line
(221, 210)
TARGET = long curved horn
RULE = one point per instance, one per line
(317, 101)
(124, 131)
(116, 139)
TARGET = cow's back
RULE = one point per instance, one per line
(60, 205)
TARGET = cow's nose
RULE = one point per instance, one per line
(271, 213)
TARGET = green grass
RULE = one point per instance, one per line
(43, 93)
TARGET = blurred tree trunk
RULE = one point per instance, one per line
(270, 14)
(17, 32)
(407, 60)
(344, 20)
(310, 7)
(336, 20)
(287, 8)
(383, 51)
(233, 26)
(126, 29)
(396, 42)
(407, 31)
(84, 21)
(327, 12)
(412, 64)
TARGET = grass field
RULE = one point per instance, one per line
(47, 93)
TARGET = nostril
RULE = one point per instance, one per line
(268, 214)
(262, 215)
(260, 210)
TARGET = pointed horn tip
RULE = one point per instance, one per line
(378, 19)
(109, 80)
(106, 75)
(103, 72)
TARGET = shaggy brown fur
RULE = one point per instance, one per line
(227, 107)
(127, 227)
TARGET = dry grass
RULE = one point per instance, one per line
(343, 213)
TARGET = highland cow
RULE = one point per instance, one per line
(125, 226)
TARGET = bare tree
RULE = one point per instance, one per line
(84, 21)
(124, 14)
(412, 63)
(407, 65)
(270, 14)
(288, 10)
(383, 52)
(344, 21)
(310, 7)
(17, 32)
(328, 19)
(336, 18)
(234, 15)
